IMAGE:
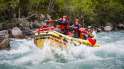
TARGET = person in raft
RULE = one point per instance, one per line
(64, 24)
(76, 26)
(91, 36)
(83, 33)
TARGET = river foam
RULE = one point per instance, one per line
(108, 56)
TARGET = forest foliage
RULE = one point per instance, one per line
(97, 12)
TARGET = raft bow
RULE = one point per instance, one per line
(57, 39)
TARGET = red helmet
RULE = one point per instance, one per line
(92, 41)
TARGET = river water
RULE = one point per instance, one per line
(109, 56)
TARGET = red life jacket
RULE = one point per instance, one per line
(63, 24)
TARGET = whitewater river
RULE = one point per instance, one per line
(109, 56)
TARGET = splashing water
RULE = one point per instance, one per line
(24, 55)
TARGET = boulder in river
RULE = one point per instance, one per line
(17, 33)
(4, 40)
(108, 28)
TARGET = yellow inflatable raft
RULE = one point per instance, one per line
(56, 39)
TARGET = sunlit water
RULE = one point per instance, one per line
(25, 55)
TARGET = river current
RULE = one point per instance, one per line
(110, 55)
